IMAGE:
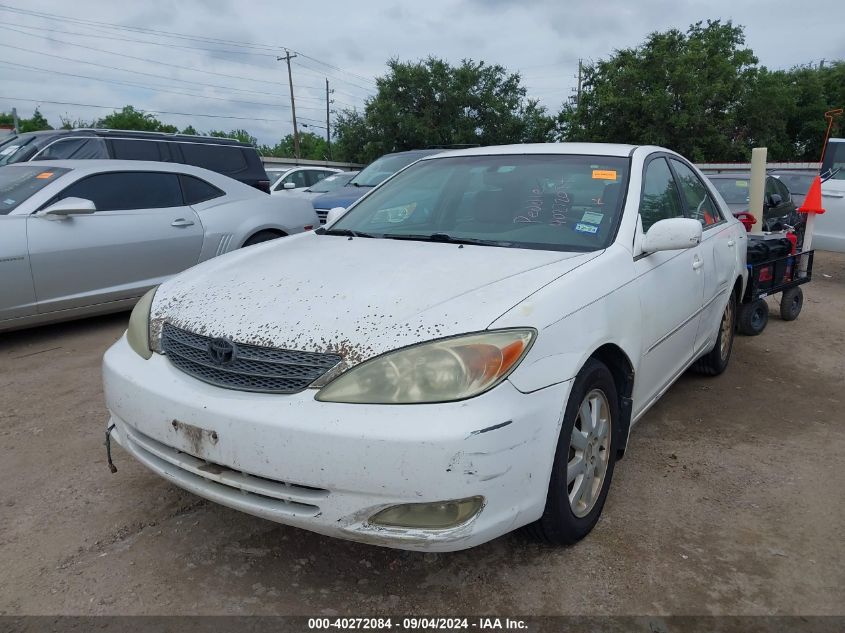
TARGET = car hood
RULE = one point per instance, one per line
(342, 197)
(357, 297)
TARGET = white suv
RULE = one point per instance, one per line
(830, 226)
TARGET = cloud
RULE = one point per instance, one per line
(542, 39)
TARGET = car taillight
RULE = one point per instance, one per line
(263, 185)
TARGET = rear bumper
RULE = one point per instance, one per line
(329, 467)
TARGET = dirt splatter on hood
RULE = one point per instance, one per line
(354, 297)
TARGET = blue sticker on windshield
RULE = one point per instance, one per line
(586, 228)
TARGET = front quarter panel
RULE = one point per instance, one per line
(593, 305)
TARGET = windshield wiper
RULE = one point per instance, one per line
(446, 238)
(346, 233)
(358, 184)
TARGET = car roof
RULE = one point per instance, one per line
(98, 165)
(140, 134)
(597, 149)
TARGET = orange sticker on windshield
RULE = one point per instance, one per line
(45, 174)
(604, 174)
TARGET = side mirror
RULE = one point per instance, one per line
(672, 234)
(289, 185)
(68, 206)
(334, 214)
(775, 200)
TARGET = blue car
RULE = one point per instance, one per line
(371, 176)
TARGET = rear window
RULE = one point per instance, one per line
(224, 159)
(196, 190)
(20, 183)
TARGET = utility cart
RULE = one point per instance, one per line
(782, 274)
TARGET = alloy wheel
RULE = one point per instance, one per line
(589, 453)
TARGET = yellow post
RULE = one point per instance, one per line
(757, 187)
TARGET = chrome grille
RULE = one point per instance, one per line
(322, 214)
(251, 367)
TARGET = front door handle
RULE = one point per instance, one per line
(182, 222)
(697, 263)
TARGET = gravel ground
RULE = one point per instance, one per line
(730, 500)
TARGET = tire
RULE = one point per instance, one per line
(565, 522)
(791, 302)
(716, 360)
(262, 236)
(753, 317)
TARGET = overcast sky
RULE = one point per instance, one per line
(226, 65)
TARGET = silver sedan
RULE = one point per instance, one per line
(79, 238)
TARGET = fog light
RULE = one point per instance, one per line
(438, 515)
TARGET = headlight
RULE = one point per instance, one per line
(446, 370)
(138, 332)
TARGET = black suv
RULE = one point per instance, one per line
(223, 155)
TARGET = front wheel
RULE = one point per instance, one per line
(584, 459)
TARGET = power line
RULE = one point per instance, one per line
(91, 105)
(164, 89)
(147, 87)
(155, 32)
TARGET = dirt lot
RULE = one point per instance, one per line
(731, 500)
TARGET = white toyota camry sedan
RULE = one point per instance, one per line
(462, 353)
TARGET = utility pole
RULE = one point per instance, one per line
(287, 58)
(328, 123)
(578, 93)
(15, 121)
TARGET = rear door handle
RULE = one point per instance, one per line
(697, 263)
(182, 222)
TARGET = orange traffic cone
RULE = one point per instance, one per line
(813, 200)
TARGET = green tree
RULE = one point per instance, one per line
(680, 90)
(311, 147)
(33, 124)
(242, 135)
(432, 103)
(190, 130)
(131, 119)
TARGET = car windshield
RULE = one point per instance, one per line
(17, 184)
(20, 148)
(549, 202)
(733, 190)
(331, 183)
(834, 159)
(378, 171)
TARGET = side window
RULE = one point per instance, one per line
(119, 191)
(298, 178)
(196, 190)
(660, 195)
(698, 203)
(224, 159)
(74, 147)
(783, 190)
(135, 149)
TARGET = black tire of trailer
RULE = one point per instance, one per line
(791, 302)
(753, 317)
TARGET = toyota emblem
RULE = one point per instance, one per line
(221, 351)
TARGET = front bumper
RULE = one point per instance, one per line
(328, 467)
